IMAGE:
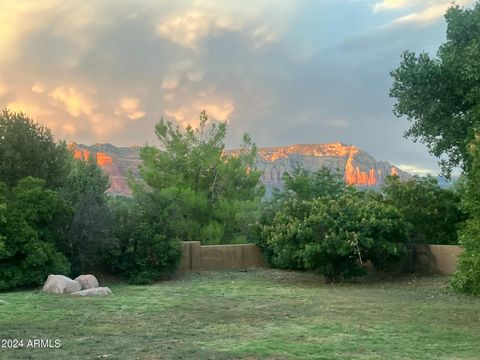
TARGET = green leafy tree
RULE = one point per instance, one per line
(329, 227)
(142, 252)
(89, 234)
(306, 185)
(29, 149)
(467, 276)
(207, 194)
(34, 220)
(440, 95)
(434, 214)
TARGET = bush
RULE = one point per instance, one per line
(467, 276)
(33, 222)
(434, 214)
(332, 234)
(143, 252)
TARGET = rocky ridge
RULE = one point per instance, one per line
(357, 167)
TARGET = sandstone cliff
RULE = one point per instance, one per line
(357, 167)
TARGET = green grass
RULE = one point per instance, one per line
(249, 315)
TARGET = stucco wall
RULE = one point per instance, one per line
(436, 259)
(209, 257)
(430, 259)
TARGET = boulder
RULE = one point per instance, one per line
(87, 281)
(100, 291)
(59, 284)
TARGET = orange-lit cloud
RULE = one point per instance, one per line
(188, 115)
(74, 101)
(187, 29)
(130, 106)
(424, 12)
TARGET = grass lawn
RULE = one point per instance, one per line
(258, 314)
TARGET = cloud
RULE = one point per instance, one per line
(415, 169)
(425, 12)
(187, 29)
(189, 115)
(130, 106)
(74, 101)
(386, 5)
(38, 88)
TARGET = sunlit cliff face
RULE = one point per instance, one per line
(353, 174)
(103, 159)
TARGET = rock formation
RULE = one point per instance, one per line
(356, 166)
(59, 284)
(99, 291)
(87, 281)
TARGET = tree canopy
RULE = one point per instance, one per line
(205, 193)
(440, 95)
(29, 149)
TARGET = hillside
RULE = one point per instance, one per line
(358, 167)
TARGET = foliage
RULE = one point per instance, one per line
(89, 234)
(440, 95)
(433, 213)
(334, 233)
(306, 185)
(33, 220)
(467, 276)
(143, 252)
(204, 193)
(28, 149)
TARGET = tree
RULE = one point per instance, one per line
(142, 252)
(29, 149)
(467, 276)
(332, 229)
(205, 193)
(440, 95)
(433, 213)
(34, 220)
(306, 185)
(89, 234)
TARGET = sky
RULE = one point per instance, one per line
(284, 71)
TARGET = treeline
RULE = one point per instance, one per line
(55, 215)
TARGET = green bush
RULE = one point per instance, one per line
(143, 252)
(33, 220)
(467, 276)
(332, 234)
(434, 214)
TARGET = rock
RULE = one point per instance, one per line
(87, 281)
(100, 291)
(59, 284)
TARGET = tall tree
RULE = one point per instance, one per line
(207, 194)
(29, 149)
(441, 95)
(90, 232)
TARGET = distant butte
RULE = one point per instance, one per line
(357, 167)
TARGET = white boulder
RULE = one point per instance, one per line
(87, 281)
(59, 284)
(100, 291)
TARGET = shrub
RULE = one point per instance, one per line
(143, 252)
(467, 276)
(332, 234)
(434, 214)
(33, 222)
